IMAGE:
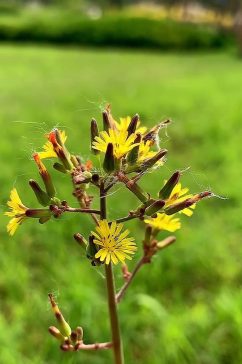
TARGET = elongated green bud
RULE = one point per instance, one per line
(65, 328)
(91, 250)
(74, 160)
(151, 162)
(155, 207)
(109, 162)
(59, 167)
(60, 149)
(172, 209)
(134, 153)
(133, 124)
(170, 184)
(41, 195)
(166, 242)
(38, 213)
(107, 124)
(50, 189)
(134, 187)
(56, 333)
(81, 240)
(94, 134)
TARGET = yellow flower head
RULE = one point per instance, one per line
(164, 222)
(178, 195)
(124, 124)
(114, 245)
(17, 213)
(122, 143)
(49, 151)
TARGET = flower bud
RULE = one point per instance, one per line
(166, 242)
(74, 337)
(65, 328)
(94, 134)
(169, 185)
(95, 178)
(60, 149)
(134, 153)
(41, 196)
(74, 160)
(67, 347)
(50, 189)
(59, 167)
(109, 163)
(91, 250)
(133, 124)
(56, 333)
(79, 331)
(155, 207)
(172, 209)
(151, 162)
(134, 187)
(107, 124)
(38, 213)
(81, 240)
(152, 134)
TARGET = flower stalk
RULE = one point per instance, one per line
(113, 312)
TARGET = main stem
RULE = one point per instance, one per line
(113, 312)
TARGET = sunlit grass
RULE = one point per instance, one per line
(184, 308)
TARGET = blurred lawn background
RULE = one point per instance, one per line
(186, 306)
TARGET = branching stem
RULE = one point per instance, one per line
(122, 291)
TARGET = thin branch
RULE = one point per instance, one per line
(149, 251)
(126, 218)
(88, 211)
(96, 346)
(122, 291)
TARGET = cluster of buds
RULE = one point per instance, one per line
(70, 340)
(126, 146)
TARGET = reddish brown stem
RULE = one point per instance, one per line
(88, 211)
(96, 346)
(122, 291)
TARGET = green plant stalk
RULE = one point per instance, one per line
(112, 305)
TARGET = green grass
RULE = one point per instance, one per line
(186, 306)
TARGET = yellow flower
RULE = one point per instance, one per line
(145, 152)
(115, 246)
(164, 222)
(17, 213)
(49, 151)
(178, 195)
(122, 143)
(124, 124)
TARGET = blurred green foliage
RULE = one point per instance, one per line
(117, 29)
(186, 306)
